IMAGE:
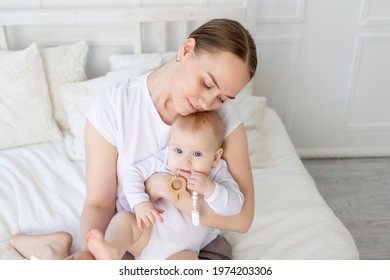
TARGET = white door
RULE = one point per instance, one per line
(324, 66)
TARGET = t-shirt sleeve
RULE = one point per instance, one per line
(230, 117)
(103, 115)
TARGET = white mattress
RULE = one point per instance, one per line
(42, 190)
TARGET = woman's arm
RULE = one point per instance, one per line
(237, 156)
(101, 173)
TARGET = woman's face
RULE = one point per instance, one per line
(202, 82)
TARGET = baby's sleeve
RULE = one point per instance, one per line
(227, 199)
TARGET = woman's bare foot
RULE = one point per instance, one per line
(53, 246)
(99, 247)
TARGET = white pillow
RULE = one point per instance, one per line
(143, 62)
(77, 98)
(63, 64)
(247, 90)
(26, 115)
(252, 110)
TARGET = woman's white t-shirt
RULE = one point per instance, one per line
(127, 118)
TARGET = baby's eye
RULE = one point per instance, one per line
(178, 151)
(197, 154)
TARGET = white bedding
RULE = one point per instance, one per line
(42, 190)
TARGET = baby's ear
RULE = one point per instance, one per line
(217, 156)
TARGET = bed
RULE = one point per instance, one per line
(44, 92)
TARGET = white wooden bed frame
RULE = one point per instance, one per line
(292, 221)
(131, 17)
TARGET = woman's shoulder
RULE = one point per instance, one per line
(123, 92)
(228, 111)
(226, 108)
(127, 85)
(230, 116)
(116, 97)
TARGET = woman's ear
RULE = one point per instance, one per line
(187, 47)
(217, 156)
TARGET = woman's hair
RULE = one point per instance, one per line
(227, 35)
(199, 120)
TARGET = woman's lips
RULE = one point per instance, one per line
(192, 108)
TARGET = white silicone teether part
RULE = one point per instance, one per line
(195, 213)
(195, 218)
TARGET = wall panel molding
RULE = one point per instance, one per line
(297, 16)
(292, 44)
(359, 81)
(369, 20)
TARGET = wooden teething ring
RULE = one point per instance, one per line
(178, 185)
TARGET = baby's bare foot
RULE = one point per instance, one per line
(53, 246)
(100, 248)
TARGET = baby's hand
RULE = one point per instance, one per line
(201, 184)
(146, 213)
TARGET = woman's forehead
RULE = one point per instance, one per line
(226, 69)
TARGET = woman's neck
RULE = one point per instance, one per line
(159, 88)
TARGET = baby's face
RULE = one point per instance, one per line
(192, 151)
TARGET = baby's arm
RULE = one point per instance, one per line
(221, 193)
(147, 214)
(133, 192)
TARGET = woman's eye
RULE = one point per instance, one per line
(178, 151)
(205, 85)
(197, 154)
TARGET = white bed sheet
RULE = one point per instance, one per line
(292, 220)
(42, 191)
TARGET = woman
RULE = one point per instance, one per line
(131, 122)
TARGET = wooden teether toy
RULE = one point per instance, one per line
(178, 185)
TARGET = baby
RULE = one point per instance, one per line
(194, 151)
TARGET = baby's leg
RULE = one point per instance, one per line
(53, 246)
(122, 235)
(184, 255)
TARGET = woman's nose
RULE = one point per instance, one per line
(206, 102)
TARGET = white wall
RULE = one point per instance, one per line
(327, 72)
(324, 66)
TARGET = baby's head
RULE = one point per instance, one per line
(195, 142)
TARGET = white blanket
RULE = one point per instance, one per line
(42, 190)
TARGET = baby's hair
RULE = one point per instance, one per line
(198, 120)
(227, 35)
